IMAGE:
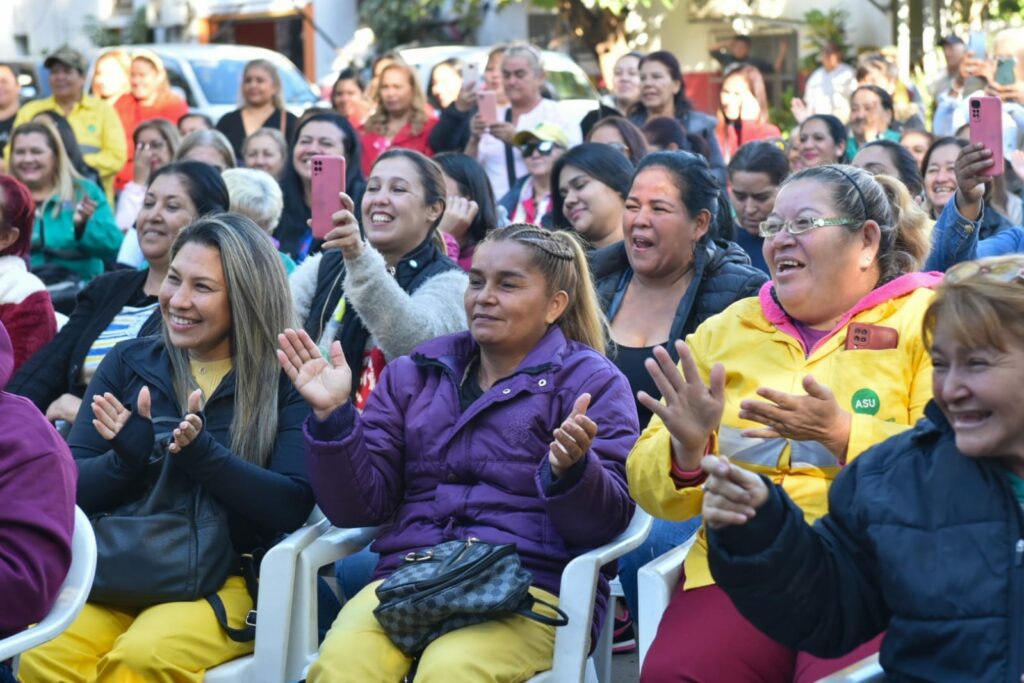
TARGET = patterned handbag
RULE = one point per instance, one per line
(455, 584)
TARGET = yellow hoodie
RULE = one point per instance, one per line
(884, 390)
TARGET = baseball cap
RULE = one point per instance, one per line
(950, 40)
(542, 132)
(66, 54)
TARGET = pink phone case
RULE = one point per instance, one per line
(487, 100)
(328, 179)
(985, 115)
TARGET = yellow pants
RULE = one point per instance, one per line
(169, 643)
(507, 650)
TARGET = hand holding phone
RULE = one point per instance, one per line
(985, 118)
(977, 44)
(1006, 71)
(487, 101)
(471, 73)
(327, 173)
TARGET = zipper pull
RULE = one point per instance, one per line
(1019, 553)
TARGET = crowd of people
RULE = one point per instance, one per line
(519, 328)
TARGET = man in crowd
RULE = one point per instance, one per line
(828, 88)
(96, 125)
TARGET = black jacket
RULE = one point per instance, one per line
(262, 503)
(451, 133)
(920, 540)
(55, 369)
(723, 275)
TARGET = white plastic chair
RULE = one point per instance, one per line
(867, 670)
(278, 610)
(73, 594)
(656, 582)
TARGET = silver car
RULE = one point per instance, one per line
(209, 77)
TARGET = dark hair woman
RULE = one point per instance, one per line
(755, 173)
(590, 183)
(891, 158)
(470, 211)
(822, 140)
(621, 135)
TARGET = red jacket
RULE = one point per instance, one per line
(732, 137)
(25, 309)
(375, 144)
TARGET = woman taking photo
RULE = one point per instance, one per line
(755, 174)
(839, 366)
(399, 117)
(262, 106)
(150, 97)
(856, 574)
(383, 296)
(122, 304)
(321, 132)
(743, 115)
(663, 93)
(822, 141)
(531, 365)
(470, 210)
(590, 184)
(223, 301)
(74, 231)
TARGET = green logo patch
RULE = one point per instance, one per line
(866, 402)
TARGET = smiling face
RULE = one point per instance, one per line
(507, 303)
(395, 92)
(317, 137)
(657, 89)
(396, 217)
(109, 79)
(868, 118)
(540, 164)
(940, 177)
(258, 87)
(626, 79)
(978, 390)
(66, 82)
(261, 152)
(166, 209)
(194, 302)
(347, 98)
(145, 80)
(817, 147)
(738, 103)
(593, 209)
(660, 234)
(33, 161)
(153, 147)
(820, 274)
(753, 195)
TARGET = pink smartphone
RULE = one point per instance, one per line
(985, 117)
(487, 101)
(328, 179)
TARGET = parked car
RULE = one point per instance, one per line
(33, 77)
(209, 76)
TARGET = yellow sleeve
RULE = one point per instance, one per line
(113, 148)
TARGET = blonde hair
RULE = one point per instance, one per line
(378, 120)
(272, 133)
(978, 309)
(256, 195)
(167, 130)
(275, 76)
(207, 137)
(261, 308)
(164, 86)
(559, 255)
(67, 183)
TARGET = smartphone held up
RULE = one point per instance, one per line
(985, 118)
(328, 182)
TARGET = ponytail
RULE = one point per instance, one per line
(912, 237)
(560, 257)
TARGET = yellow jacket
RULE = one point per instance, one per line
(97, 129)
(884, 390)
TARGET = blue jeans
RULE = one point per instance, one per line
(354, 571)
(664, 536)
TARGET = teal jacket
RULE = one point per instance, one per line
(54, 239)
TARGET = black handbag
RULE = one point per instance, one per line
(452, 585)
(172, 544)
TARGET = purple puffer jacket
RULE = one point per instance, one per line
(414, 459)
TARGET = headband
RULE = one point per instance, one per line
(863, 202)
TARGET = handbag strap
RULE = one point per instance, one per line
(527, 611)
(248, 632)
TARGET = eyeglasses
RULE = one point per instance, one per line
(799, 226)
(155, 146)
(545, 147)
(1011, 270)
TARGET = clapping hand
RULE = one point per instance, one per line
(84, 211)
(732, 494)
(111, 415)
(325, 386)
(188, 430)
(572, 438)
(814, 417)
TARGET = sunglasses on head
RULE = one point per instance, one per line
(545, 147)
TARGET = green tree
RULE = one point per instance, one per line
(136, 32)
(821, 28)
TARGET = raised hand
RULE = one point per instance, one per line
(345, 235)
(111, 415)
(325, 386)
(814, 417)
(692, 410)
(459, 213)
(84, 211)
(572, 438)
(971, 165)
(188, 430)
(732, 495)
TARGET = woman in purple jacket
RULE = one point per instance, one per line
(516, 431)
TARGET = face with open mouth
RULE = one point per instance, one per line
(940, 177)
(33, 161)
(195, 305)
(978, 390)
(396, 216)
(166, 209)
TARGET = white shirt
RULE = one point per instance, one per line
(828, 92)
(491, 151)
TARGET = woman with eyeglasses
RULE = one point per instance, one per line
(793, 385)
(529, 200)
(923, 538)
(156, 142)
